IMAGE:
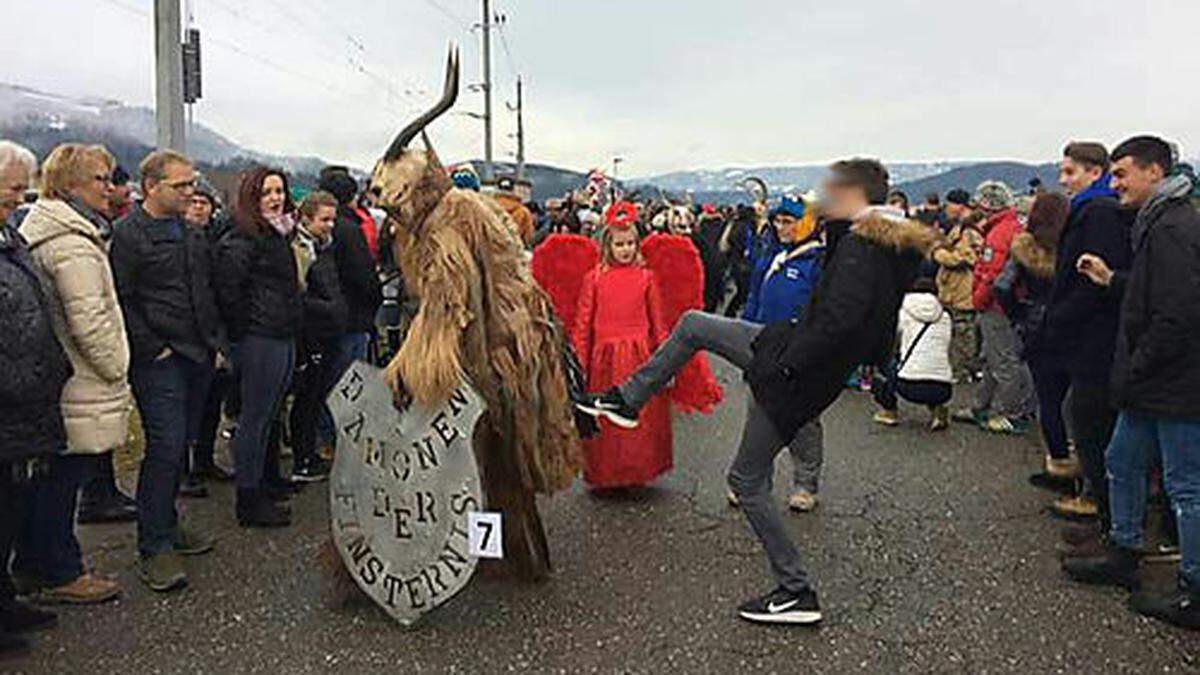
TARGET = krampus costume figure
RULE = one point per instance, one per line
(482, 317)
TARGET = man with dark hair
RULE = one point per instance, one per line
(797, 368)
(1081, 326)
(1155, 378)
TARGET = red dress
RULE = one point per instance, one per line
(618, 325)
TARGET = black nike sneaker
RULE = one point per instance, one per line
(611, 406)
(783, 606)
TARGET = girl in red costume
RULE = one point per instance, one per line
(617, 327)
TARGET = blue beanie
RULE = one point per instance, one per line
(464, 177)
(789, 207)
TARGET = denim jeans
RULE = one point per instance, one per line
(351, 347)
(170, 394)
(753, 468)
(1137, 442)
(264, 373)
(210, 420)
(47, 550)
(1051, 382)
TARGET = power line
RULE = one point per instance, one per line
(454, 18)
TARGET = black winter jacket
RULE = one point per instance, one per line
(325, 310)
(257, 286)
(34, 365)
(162, 270)
(800, 367)
(1081, 318)
(356, 270)
(1156, 366)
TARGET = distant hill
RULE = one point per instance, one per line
(41, 120)
(780, 179)
(1015, 175)
(548, 181)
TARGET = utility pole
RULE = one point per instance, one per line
(168, 80)
(520, 110)
(487, 91)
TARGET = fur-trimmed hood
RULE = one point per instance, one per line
(889, 228)
(1032, 256)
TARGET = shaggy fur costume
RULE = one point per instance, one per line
(482, 317)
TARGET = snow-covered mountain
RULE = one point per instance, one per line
(40, 120)
(781, 179)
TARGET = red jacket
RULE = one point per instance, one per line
(1000, 230)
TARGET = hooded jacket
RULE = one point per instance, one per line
(998, 235)
(956, 267)
(88, 322)
(929, 357)
(162, 269)
(799, 367)
(1081, 317)
(1156, 365)
(783, 284)
(33, 362)
(1023, 291)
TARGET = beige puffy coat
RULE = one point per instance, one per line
(87, 319)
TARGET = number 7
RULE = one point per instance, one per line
(487, 534)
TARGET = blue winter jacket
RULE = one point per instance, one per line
(781, 284)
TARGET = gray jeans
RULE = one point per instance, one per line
(1007, 387)
(750, 476)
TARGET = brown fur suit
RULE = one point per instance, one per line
(482, 317)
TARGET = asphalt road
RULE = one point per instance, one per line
(931, 554)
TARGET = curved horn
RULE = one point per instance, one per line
(449, 95)
(751, 182)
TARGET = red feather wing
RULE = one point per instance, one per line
(679, 276)
(559, 266)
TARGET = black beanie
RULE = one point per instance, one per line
(341, 185)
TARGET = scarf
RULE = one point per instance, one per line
(283, 224)
(1170, 189)
(97, 219)
(1101, 187)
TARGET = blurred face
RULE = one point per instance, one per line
(842, 201)
(956, 212)
(624, 245)
(320, 225)
(14, 181)
(785, 227)
(1075, 177)
(271, 201)
(96, 188)
(199, 211)
(171, 195)
(1135, 185)
(898, 203)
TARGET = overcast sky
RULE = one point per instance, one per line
(666, 84)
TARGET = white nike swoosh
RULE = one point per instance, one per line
(773, 608)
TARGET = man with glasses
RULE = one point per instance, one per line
(161, 268)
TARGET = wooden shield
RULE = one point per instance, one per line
(403, 483)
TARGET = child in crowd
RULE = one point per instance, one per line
(923, 374)
(780, 287)
(618, 326)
